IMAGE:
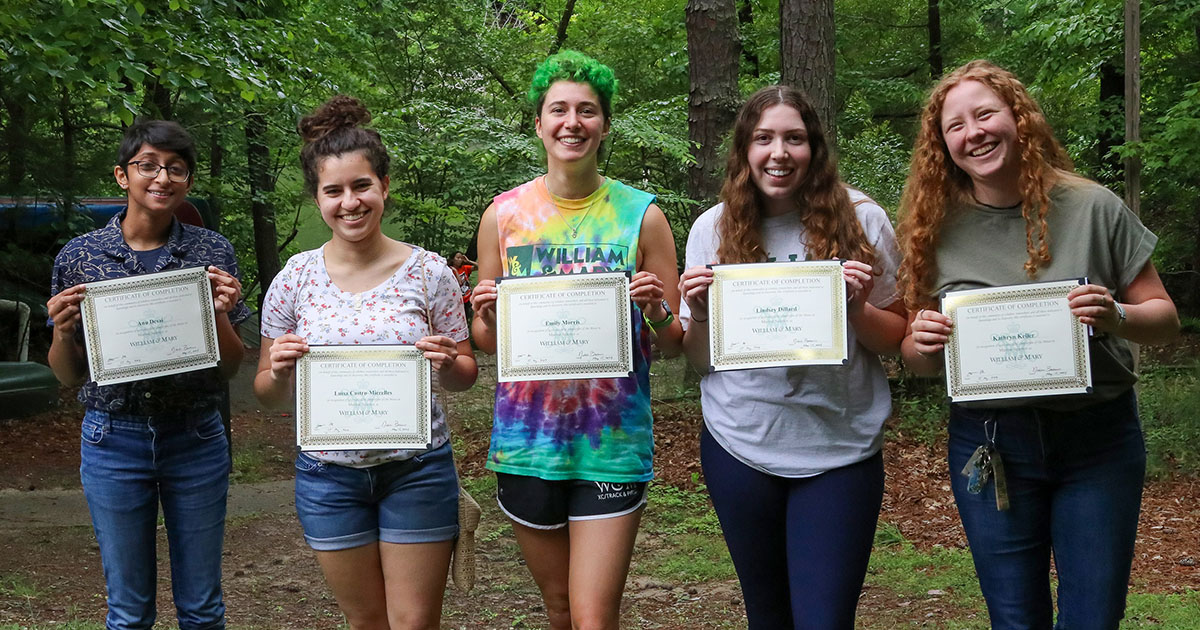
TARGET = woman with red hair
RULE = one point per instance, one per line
(991, 200)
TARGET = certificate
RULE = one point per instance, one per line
(1014, 342)
(363, 397)
(776, 315)
(149, 325)
(563, 327)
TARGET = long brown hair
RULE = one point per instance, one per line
(935, 181)
(830, 223)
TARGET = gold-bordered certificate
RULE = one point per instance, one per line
(1015, 342)
(363, 397)
(149, 325)
(563, 326)
(777, 314)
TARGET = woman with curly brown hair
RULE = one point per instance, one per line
(792, 455)
(382, 522)
(991, 200)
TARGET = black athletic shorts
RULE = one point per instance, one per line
(544, 504)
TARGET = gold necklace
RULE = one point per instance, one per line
(573, 228)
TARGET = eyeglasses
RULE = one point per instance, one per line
(150, 170)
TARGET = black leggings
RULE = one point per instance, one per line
(800, 546)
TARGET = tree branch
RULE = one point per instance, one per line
(561, 36)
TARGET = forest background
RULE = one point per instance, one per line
(446, 81)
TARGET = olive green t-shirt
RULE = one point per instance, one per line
(1092, 234)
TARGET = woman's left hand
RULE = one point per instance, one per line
(646, 290)
(1095, 307)
(441, 351)
(226, 290)
(859, 280)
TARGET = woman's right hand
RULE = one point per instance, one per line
(483, 300)
(65, 310)
(285, 350)
(930, 331)
(693, 288)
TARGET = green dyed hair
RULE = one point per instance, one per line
(571, 65)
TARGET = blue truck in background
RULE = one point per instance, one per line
(39, 225)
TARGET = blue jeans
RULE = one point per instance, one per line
(800, 546)
(1075, 487)
(130, 463)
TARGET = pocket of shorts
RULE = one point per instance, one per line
(434, 454)
(306, 463)
(210, 428)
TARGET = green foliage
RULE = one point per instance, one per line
(910, 573)
(447, 81)
(1166, 612)
(921, 412)
(874, 159)
(1168, 400)
(691, 548)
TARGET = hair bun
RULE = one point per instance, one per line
(338, 112)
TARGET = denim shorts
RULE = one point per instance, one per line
(409, 501)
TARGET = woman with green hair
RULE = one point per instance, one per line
(573, 457)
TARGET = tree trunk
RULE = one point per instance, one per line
(158, 101)
(745, 21)
(561, 36)
(258, 162)
(1112, 95)
(712, 40)
(14, 141)
(806, 55)
(936, 66)
(216, 164)
(69, 160)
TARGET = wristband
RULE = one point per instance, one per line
(666, 321)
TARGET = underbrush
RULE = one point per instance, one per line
(1168, 400)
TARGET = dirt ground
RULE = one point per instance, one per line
(50, 566)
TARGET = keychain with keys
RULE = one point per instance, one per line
(986, 463)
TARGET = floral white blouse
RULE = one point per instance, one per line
(420, 299)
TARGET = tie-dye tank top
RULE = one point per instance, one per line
(592, 429)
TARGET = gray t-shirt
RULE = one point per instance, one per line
(801, 421)
(1092, 234)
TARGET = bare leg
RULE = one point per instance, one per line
(356, 579)
(547, 553)
(600, 554)
(415, 581)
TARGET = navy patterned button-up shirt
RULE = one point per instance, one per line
(103, 255)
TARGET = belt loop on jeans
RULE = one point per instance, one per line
(101, 417)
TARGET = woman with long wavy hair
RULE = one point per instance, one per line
(991, 200)
(792, 456)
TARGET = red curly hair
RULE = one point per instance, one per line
(935, 182)
(830, 223)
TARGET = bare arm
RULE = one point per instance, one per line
(657, 279)
(1151, 317)
(67, 357)
(878, 330)
(693, 287)
(928, 332)
(277, 368)
(483, 298)
(453, 361)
